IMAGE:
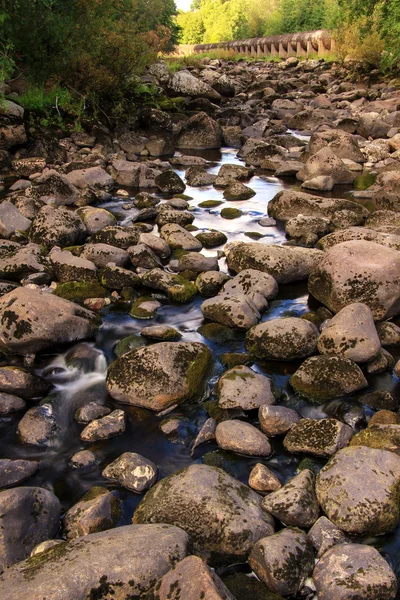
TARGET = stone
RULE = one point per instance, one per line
(238, 191)
(344, 145)
(206, 433)
(379, 436)
(197, 176)
(300, 226)
(180, 583)
(10, 404)
(326, 162)
(13, 472)
(24, 261)
(211, 238)
(119, 237)
(57, 226)
(200, 132)
(320, 183)
(161, 332)
(156, 244)
(105, 427)
(277, 420)
(322, 378)
(322, 437)
(132, 471)
(197, 262)
(289, 338)
(84, 459)
(210, 283)
(295, 504)
(141, 256)
(381, 399)
(230, 173)
(169, 182)
(93, 178)
(242, 388)
(229, 519)
(184, 83)
(241, 437)
(32, 320)
(284, 263)
(178, 238)
(358, 233)
(102, 254)
(251, 283)
(347, 571)
(96, 565)
(22, 383)
(11, 220)
(38, 426)
(289, 204)
(12, 135)
(176, 287)
(237, 311)
(133, 174)
(68, 267)
(54, 188)
(91, 411)
(359, 488)
(159, 376)
(98, 510)
(95, 219)
(324, 535)
(30, 515)
(283, 561)
(358, 271)
(263, 480)
(389, 333)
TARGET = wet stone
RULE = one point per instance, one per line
(322, 437)
(263, 480)
(243, 388)
(98, 510)
(132, 471)
(105, 427)
(10, 403)
(241, 437)
(324, 535)
(90, 412)
(84, 459)
(13, 472)
(277, 420)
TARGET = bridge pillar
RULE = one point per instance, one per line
(322, 51)
(310, 49)
(291, 50)
(248, 51)
(274, 50)
(282, 52)
(300, 50)
(253, 51)
(260, 50)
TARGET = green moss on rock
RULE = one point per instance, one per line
(79, 291)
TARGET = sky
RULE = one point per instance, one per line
(183, 4)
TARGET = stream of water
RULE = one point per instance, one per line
(76, 385)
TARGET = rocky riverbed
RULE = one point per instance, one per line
(199, 331)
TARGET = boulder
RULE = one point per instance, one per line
(114, 235)
(38, 426)
(288, 338)
(94, 178)
(359, 233)
(358, 271)
(159, 376)
(295, 503)
(13, 472)
(359, 490)
(381, 436)
(68, 267)
(11, 220)
(344, 145)
(237, 311)
(241, 437)
(22, 383)
(242, 388)
(283, 561)
(178, 238)
(54, 188)
(200, 132)
(95, 219)
(184, 83)
(23, 261)
(351, 333)
(277, 420)
(30, 515)
(284, 263)
(229, 519)
(96, 565)
(326, 162)
(263, 480)
(322, 378)
(102, 254)
(169, 182)
(349, 571)
(31, 320)
(252, 283)
(105, 427)
(57, 226)
(324, 535)
(322, 437)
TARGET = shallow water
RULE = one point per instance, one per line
(74, 387)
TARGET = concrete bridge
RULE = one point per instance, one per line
(310, 43)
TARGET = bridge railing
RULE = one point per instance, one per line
(309, 43)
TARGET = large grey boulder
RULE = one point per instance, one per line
(325, 162)
(57, 226)
(229, 519)
(283, 560)
(93, 178)
(358, 271)
(252, 283)
(122, 562)
(284, 263)
(233, 311)
(289, 338)
(241, 437)
(289, 204)
(98, 510)
(200, 132)
(12, 220)
(350, 571)
(351, 333)
(184, 83)
(159, 376)
(31, 320)
(54, 188)
(23, 261)
(318, 437)
(359, 490)
(391, 240)
(343, 144)
(29, 515)
(322, 378)
(102, 254)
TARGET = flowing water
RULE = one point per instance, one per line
(77, 384)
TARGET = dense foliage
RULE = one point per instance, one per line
(93, 48)
(366, 29)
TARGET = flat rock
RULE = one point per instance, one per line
(105, 427)
(13, 472)
(289, 338)
(97, 565)
(233, 311)
(241, 437)
(322, 437)
(243, 388)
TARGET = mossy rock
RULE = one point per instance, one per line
(128, 343)
(191, 227)
(231, 213)
(212, 238)
(210, 203)
(183, 197)
(249, 588)
(75, 250)
(310, 464)
(381, 437)
(182, 290)
(144, 307)
(214, 332)
(233, 359)
(79, 291)
(117, 278)
(254, 235)
(312, 317)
